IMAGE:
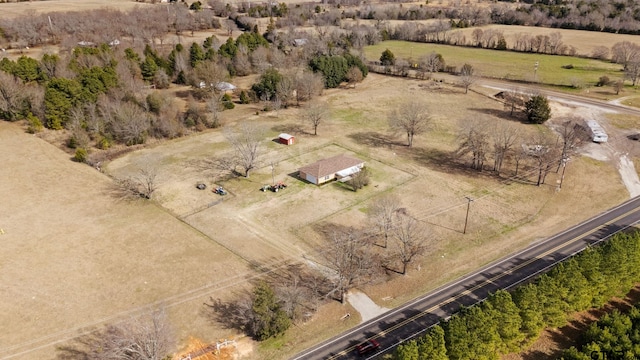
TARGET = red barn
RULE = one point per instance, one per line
(286, 139)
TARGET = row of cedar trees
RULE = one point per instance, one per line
(509, 322)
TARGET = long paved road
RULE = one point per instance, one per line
(413, 318)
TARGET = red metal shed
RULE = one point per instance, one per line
(286, 139)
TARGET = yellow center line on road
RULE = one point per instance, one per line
(484, 283)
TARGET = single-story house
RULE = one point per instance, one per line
(286, 139)
(329, 169)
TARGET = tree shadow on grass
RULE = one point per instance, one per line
(375, 139)
(293, 129)
(518, 115)
(447, 162)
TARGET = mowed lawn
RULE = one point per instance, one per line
(507, 65)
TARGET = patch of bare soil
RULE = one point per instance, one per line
(552, 342)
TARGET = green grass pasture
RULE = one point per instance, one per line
(507, 65)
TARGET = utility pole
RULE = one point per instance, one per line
(466, 218)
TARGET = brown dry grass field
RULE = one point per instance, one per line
(73, 256)
(30, 7)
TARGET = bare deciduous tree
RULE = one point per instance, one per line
(349, 259)
(474, 139)
(315, 113)
(618, 86)
(284, 90)
(573, 133)
(215, 109)
(410, 239)
(354, 75)
(504, 138)
(467, 76)
(141, 186)
(624, 52)
(210, 74)
(412, 118)
(382, 213)
(545, 153)
(148, 337)
(431, 62)
(128, 122)
(513, 100)
(246, 143)
(12, 96)
(308, 85)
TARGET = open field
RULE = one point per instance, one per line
(584, 41)
(268, 228)
(25, 8)
(507, 65)
(73, 256)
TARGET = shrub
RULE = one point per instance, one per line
(81, 155)
(244, 98)
(387, 58)
(103, 143)
(603, 81)
(35, 125)
(227, 103)
(570, 66)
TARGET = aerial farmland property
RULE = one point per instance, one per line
(133, 188)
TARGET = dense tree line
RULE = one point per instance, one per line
(508, 322)
(614, 336)
(142, 25)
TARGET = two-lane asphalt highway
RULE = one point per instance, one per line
(413, 318)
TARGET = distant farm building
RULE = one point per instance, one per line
(286, 139)
(337, 167)
(221, 86)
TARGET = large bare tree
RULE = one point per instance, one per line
(504, 138)
(246, 142)
(315, 113)
(382, 214)
(350, 260)
(412, 118)
(148, 337)
(142, 185)
(474, 139)
(409, 238)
